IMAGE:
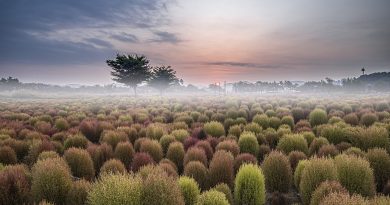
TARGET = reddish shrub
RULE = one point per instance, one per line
(141, 159)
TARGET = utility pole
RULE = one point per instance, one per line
(363, 69)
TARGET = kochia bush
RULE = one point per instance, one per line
(199, 172)
(248, 143)
(293, 142)
(249, 185)
(277, 172)
(80, 163)
(318, 117)
(221, 168)
(189, 189)
(212, 197)
(214, 128)
(380, 162)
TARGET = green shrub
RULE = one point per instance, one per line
(298, 172)
(189, 189)
(165, 141)
(380, 200)
(375, 137)
(294, 157)
(14, 185)
(230, 146)
(328, 151)
(153, 148)
(51, 180)
(292, 142)
(221, 168)
(274, 122)
(124, 151)
(176, 154)
(309, 136)
(333, 133)
(324, 189)
(155, 131)
(224, 188)
(253, 127)
(235, 130)
(180, 135)
(318, 117)
(262, 120)
(113, 166)
(116, 189)
(159, 188)
(316, 171)
(61, 124)
(195, 154)
(368, 119)
(78, 141)
(248, 143)
(47, 155)
(351, 119)
(212, 197)
(337, 198)
(249, 185)
(317, 144)
(7, 155)
(355, 175)
(380, 162)
(355, 151)
(77, 195)
(215, 129)
(113, 137)
(80, 163)
(288, 120)
(277, 172)
(199, 172)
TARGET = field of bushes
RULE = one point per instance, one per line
(196, 150)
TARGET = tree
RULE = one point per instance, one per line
(130, 70)
(163, 77)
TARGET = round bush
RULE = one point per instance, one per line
(113, 166)
(368, 119)
(180, 135)
(214, 128)
(253, 127)
(113, 137)
(199, 172)
(61, 124)
(77, 195)
(116, 189)
(221, 168)
(248, 143)
(337, 198)
(141, 159)
(190, 142)
(224, 188)
(293, 142)
(294, 157)
(165, 140)
(189, 189)
(355, 175)
(176, 154)
(124, 151)
(159, 188)
(195, 154)
(51, 181)
(7, 155)
(249, 185)
(274, 122)
(212, 197)
(318, 117)
(153, 148)
(263, 151)
(262, 120)
(298, 172)
(316, 171)
(14, 185)
(230, 146)
(333, 133)
(351, 119)
(235, 130)
(288, 120)
(100, 154)
(80, 163)
(355, 151)
(328, 151)
(155, 131)
(317, 144)
(78, 141)
(380, 162)
(277, 172)
(324, 189)
(244, 158)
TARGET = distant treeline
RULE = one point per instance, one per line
(378, 82)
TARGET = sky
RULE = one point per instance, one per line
(68, 41)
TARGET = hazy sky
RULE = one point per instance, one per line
(68, 41)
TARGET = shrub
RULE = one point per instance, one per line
(244, 158)
(343, 146)
(386, 189)
(262, 120)
(101, 154)
(224, 188)
(189, 189)
(249, 185)
(368, 119)
(14, 185)
(61, 124)
(124, 151)
(190, 142)
(324, 189)
(159, 188)
(215, 129)
(77, 195)
(317, 144)
(113, 137)
(155, 131)
(288, 120)
(221, 168)
(47, 155)
(274, 122)
(51, 180)
(212, 197)
(263, 151)
(141, 159)
(195, 154)
(80, 163)
(318, 117)
(292, 142)
(230, 146)
(205, 145)
(355, 151)
(235, 130)
(199, 172)
(380, 200)
(337, 198)
(116, 189)
(298, 172)
(294, 157)
(180, 135)
(165, 141)
(90, 129)
(309, 137)
(176, 154)
(351, 119)
(277, 172)
(113, 166)
(316, 171)
(153, 148)
(248, 143)
(375, 137)
(78, 141)
(253, 127)
(7, 155)
(328, 151)
(355, 175)
(380, 162)
(333, 133)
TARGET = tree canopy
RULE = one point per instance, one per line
(163, 77)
